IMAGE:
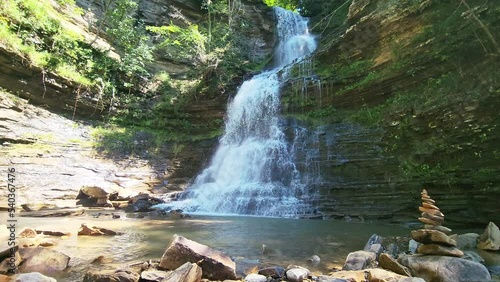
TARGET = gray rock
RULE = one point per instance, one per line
(188, 272)
(466, 241)
(433, 249)
(252, 277)
(297, 274)
(325, 278)
(42, 260)
(314, 259)
(490, 239)
(215, 265)
(412, 246)
(359, 260)
(377, 249)
(473, 256)
(153, 275)
(121, 275)
(33, 277)
(445, 269)
(274, 272)
(374, 239)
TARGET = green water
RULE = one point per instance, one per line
(288, 241)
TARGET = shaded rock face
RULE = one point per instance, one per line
(215, 265)
(490, 239)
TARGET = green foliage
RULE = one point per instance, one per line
(291, 5)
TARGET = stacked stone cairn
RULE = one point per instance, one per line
(433, 237)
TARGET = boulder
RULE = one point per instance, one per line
(215, 265)
(445, 268)
(10, 263)
(42, 260)
(374, 239)
(473, 256)
(142, 203)
(389, 263)
(434, 249)
(426, 236)
(275, 272)
(297, 274)
(27, 233)
(490, 239)
(359, 260)
(252, 277)
(377, 249)
(153, 275)
(372, 275)
(121, 275)
(467, 241)
(188, 272)
(33, 277)
(92, 192)
(412, 246)
(86, 230)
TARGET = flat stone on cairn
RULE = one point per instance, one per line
(433, 238)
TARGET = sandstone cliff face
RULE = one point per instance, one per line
(407, 96)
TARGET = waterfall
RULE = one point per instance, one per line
(252, 172)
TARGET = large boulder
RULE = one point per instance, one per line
(93, 196)
(359, 260)
(467, 241)
(275, 272)
(121, 275)
(42, 260)
(490, 239)
(188, 272)
(445, 269)
(33, 277)
(215, 265)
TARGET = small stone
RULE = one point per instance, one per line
(252, 277)
(314, 259)
(359, 260)
(443, 229)
(435, 218)
(297, 274)
(434, 249)
(430, 206)
(428, 200)
(27, 233)
(431, 211)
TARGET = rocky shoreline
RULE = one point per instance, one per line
(34, 258)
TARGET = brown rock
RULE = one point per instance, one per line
(188, 272)
(426, 236)
(428, 221)
(490, 239)
(9, 263)
(5, 278)
(434, 249)
(27, 233)
(430, 206)
(428, 200)
(359, 260)
(42, 260)
(95, 231)
(431, 211)
(215, 265)
(388, 262)
(122, 275)
(443, 229)
(436, 218)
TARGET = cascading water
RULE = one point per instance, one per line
(252, 171)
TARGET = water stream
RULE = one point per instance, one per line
(252, 172)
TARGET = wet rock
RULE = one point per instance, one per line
(121, 275)
(359, 260)
(188, 272)
(296, 274)
(33, 277)
(315, 259)
(86, 230)
(275, 272)
(434, 249)
(432, 236)
(445, 268)
(215, 265)
(142, 203)
(389, 263)
(27, 233)
(153, 275)
(473, 256)
(42, 260)
(467, 241)
(490, 239)
(253, 277)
